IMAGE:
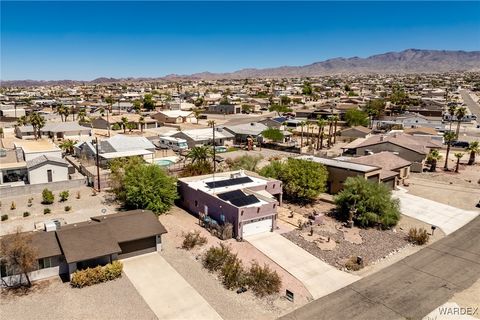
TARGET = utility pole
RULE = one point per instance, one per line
(214, 151)
(98, 165)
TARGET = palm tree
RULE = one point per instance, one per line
(448, 137)
(61, 111)
(321, 124)
(196, 113)
(67, 146)
(73, 109)
(458, 155)
(473, 148)
(451, 111)
(124, 124)
(37, 122)
(460, 113)
(199, 154)
(211, 123)
(302, 124)
(330, 125)
(141, 123)
(335, 119)
(81, 115)
(432, 158)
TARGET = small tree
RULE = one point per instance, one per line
(459, 156)
(273, 134)
(279, 108)
(368, 203)
(18, 255)
(64, 195)
(473, 148)
(67, 146)
(47, 197)
(432, 159)
(355, 117)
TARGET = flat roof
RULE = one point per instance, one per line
(121, 154)
(340, 164)
(36, 146)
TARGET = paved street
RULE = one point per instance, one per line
(165, 291)
(472, 105)
(445, 217)
(318, 277)
(411, 288)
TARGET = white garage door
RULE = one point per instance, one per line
(257, 227)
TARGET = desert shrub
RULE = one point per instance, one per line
(4, 217)
(78, 195)
(215, 257)
(64, 195)
(232, 272)
(47, 196)
(193, 239)
(30, 202)
(68, 208)
(353, 264)
(116, 127)
(26, 214)
(47, 211)
(418, 236)
(91, 276)
(13, 206)
(262, 280)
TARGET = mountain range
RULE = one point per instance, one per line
(410, 61)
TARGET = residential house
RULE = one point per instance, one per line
(99, 241)
(350, 134)
(45, 168)
(133, 118)
(199, 137)
(172, 116)
(241, 198)
(225, 108)
(13, 168)
(33, 149)
(247, 130)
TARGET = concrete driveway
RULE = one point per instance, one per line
(445, 217)
(317, 276)
(164, 290)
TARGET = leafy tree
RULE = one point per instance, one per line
(18, 254)
(246, 162)
(375, 107)
(199, 102)
(144, 186)
(303, 180)
(448, 138)
(284, 100)
(273, 134)
(196, 113)
(247, 108)
(367, 203)
(459, 156)
(307, 89)
(355, 117)
(67, 146)
(64, 195)
(47, 196)
(201, 153)
(432, 159)
(148, 102)
(137, 105)
(473, 148)
(117, 168)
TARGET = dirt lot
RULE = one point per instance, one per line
(52, 299)
(228, 304)
(81, 209)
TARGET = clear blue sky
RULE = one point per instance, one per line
(85, 40)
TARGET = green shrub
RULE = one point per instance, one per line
(78, 195)
(116, 127)
(91, 276)
(26, 214)
(47, 196)
(13, 206)
(418, 236)
(262, 280)
(68, 208)
(47, 211)
(64, 195)
(232, 272)
(4, 217)
(215, 257)
(193, 239)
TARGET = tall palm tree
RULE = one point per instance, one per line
(321, 124)
(67, 146)
(211, 123)
(82, 114)
(330, 125)
(196, 113)
(124, 124)
(141, 123)
(451, 111)
(73, 109)
(448, 138)
(302, 124)
(460, 113)
(37, 122)
(335, 119)
(432, 159)
(61, 111)
(201, 153)
(458, 155)
(22, 121)
(473, 148)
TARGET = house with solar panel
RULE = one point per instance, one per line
(242, 198)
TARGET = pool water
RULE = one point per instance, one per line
(164, 163)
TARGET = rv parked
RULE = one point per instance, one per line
(176, 144)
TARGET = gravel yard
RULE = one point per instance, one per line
(228, 304)
(52, 299)
(375, 245)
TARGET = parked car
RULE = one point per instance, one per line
(460, 144)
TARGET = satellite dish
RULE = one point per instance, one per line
(104, 210)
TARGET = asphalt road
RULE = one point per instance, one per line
(472, 105)
(410, 288)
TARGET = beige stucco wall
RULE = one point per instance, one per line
(39, 175)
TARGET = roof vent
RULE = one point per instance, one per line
(252, 123)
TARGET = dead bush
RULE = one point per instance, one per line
(193, 239)
(233, 273)
(215, 257)
(418, 236)
(262, 280)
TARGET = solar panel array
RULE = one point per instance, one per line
(244, 201)
(227, 196)
(228, 182)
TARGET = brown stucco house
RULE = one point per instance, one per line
(244, 199)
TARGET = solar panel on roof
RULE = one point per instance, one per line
(227, 196)
(228, 182)
(244, 201)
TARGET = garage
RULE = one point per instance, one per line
(257, 226)
(136, 247)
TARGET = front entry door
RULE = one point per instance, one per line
(49, 175)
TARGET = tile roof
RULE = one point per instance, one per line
(417, 144)
(386, 160)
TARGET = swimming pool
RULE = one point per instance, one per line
(164, 163)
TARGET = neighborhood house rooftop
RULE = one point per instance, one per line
(340, 164)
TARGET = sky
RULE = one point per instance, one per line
(86, 40)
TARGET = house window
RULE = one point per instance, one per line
(241, 213)
(274, 205)
(196, 203)
(44, 263)
(258, 210)
(6, 271)
(274, 186)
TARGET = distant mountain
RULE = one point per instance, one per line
(405, 62)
